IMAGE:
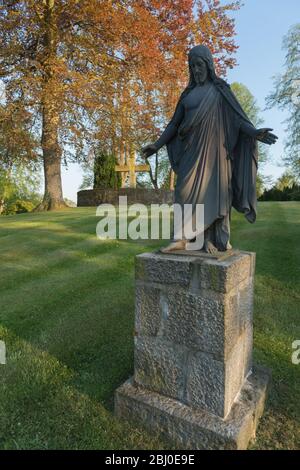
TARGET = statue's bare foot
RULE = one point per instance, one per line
(228, 247)
(174, 246)
(209, 247)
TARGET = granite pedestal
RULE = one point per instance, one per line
(193, 376)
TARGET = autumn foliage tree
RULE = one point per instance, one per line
(155, 50)
(18, 155)
(57, 60)
(102, 70)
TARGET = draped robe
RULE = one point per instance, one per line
(213, 151)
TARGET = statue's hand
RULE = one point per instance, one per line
(149, 150)
(264, 135)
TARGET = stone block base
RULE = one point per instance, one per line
(191, 428)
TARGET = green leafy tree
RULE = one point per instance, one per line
(19, 188)
(249, 105)
(252, 110)
(286, 188)
(88, 176)
(287, 180)
(71, 65)
(105, 176)
(286, 96)
(19, 159)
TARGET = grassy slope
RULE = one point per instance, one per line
(66, 314)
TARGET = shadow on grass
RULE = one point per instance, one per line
(41, 409)
(71, 296)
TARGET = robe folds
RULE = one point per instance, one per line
(213, 151)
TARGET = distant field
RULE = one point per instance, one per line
(67, 313)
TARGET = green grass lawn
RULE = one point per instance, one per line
(67, 315)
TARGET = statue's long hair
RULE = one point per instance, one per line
(204, 53)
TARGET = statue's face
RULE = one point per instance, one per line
(199, 69)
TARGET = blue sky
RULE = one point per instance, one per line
(260, 27)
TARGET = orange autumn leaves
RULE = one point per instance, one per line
(110, 70)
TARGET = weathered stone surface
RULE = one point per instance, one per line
(248, 350)
(95, 197)
(234, 373)
(214, 384)
(223, 275)
(192, 428)
(160, 366)
(147, 310)
(245, 303)
(205, 321)
(194, 344)
(164, 269)
(218, 275)
(206, 383)
(196, 321)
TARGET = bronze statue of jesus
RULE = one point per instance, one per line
(212, 147)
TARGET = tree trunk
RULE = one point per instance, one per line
(1, 206)
(172, 178)
(53, 196)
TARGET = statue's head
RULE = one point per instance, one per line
(201, 65)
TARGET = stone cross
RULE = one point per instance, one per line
(132, 169)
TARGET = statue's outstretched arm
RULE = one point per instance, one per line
(248, 128)
(171, 129)
(169, 132)
(263, 135)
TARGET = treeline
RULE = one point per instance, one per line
(286, 188)
(286, 194)
(98, 74)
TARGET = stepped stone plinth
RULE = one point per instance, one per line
(194, 381)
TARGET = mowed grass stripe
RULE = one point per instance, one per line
(67, 313)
